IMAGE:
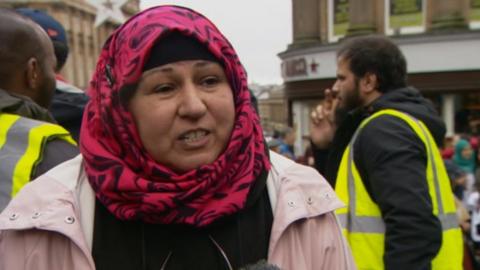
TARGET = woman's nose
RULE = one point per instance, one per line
(192, 104)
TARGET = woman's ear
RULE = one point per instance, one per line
(32, 73)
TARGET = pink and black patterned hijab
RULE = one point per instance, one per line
(124, 176)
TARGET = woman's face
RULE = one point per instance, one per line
(467, 152)
(184, 112)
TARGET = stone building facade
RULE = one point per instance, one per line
(85, 40)
(440, 39)
(271, 107)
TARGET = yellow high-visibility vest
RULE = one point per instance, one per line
(21, 148)
(362, 222)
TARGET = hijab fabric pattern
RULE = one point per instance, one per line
(124, 176)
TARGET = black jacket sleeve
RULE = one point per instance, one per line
(54, 153)
(67, 109)
(327, 161)
(392, 162)
(320, 157)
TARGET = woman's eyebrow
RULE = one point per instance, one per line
(203, 64)
(157, 70)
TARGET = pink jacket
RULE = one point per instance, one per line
(49, 224)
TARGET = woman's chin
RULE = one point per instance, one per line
(193, 161)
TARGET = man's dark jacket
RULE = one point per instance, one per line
(392, 160)
(56, 150)
(67, 107)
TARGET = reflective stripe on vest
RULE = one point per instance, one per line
(365, 231)
(21, 148)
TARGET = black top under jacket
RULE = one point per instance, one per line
(128, 245)
(67, 109)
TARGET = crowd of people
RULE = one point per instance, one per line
(462, 158)
(172, 169)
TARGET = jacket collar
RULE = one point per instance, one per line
(23, 106)
(299, 192)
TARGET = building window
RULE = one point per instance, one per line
(338, 19)
(475, 14)
(404, 16)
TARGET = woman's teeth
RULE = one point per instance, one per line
(194, 136)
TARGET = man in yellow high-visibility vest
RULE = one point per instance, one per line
(379, 141)
(30, 141)
(68, 101)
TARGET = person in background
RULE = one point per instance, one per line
(274, 145)
(68, 101)
(448, 149)
(174, 172)
(307, 158)
(463, 156)
(457, 178)
(287, 138)
(30, 141)
(465, 160)
(473, 203)
(380, 139)
(473, 140)
(477, 165)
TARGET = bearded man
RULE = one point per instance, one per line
(376, 141)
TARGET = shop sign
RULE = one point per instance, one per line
(300, 67)
(295, 67)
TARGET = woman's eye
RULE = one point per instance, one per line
(163, 89)
(210, 81)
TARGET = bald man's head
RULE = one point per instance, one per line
(27, 58)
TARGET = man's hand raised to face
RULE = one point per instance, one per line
(322, 120)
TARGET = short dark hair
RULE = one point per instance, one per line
(18, 42)
(378, 55)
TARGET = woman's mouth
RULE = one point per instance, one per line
(194, 138)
